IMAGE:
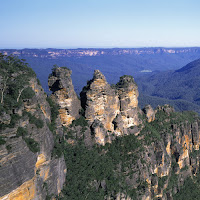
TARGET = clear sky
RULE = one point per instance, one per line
(99, 23)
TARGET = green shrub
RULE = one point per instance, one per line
(32, 144)
(38, 82)
(54, 113)
(173, 179)
(80, 122)
(9, 147)
(2, 141)
(151, 132)
(16, 76)
(111, 163)
(184, 168)
(189, 190)
(21, 132)
(132, 193)
(14, 119)
(33, 120)
(162, 181)
(65, 68)
(58, 147)
(28, 93)
(57, 150)
(38, 172)
(2, 109)
(141, 116)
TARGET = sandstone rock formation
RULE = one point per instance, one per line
(128, 97)
(168, 143)
(173, 154)
(63, 93)
(101, 101)
(116, 108)
(168, 139)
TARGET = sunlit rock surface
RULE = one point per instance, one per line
(24, 174)
(149, 112)
(63, 93)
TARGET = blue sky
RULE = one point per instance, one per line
(99, 23)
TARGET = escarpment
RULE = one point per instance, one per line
(27, 168)
(153, 162)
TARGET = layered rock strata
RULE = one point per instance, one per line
(27, 169)
(101, 101)
(101, 105)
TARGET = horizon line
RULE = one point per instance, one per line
(76, 48)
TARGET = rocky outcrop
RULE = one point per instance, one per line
(169, 153)
(115, 107)
(172, 157)
(149, 112)
(128, 97)
(27, 168)
(100, 103)
(63, 93)
(102, 136)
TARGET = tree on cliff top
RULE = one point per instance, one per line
(14, 80)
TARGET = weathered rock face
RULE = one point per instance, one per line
(101, 103)
(170, 153)
(60, 84)
(27, 169)
(116, 108)
(128, 97)
(171, 158)
(149, 112)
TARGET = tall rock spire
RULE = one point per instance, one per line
(128, 96)
(60, 84)
(101, 101)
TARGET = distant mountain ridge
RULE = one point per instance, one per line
(54, 53)
(191, 66)
(182, 84)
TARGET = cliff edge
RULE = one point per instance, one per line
(27, 168)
